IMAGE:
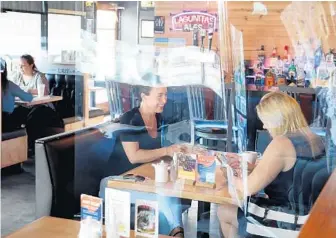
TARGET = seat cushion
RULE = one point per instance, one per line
(95, 112)
(13, 134)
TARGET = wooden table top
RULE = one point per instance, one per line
(219, 195)
(39, 100)
(52, 227)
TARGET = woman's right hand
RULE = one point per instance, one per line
(175, 149)
(233, 160)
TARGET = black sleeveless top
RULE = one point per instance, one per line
(119, 161)
(279, 188)
(146, 142)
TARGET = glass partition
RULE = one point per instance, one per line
(222, 123)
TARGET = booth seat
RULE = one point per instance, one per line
(14, 147)
(73, 163)
(70, 87)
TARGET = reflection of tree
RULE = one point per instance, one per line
(307, 23)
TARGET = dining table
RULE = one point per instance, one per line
(39, 100)
(179, 188)
(53, 227)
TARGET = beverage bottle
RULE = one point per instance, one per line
(292, 73)
(270, 78)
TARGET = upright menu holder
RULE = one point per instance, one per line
(117, 213)
(146, 218)
(91, 217)
(206, 171)
(186, 168)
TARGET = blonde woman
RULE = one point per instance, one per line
(292, 140)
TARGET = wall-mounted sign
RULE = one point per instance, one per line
(147, 4)
(187, 21)
(159, 25)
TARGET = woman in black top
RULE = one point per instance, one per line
(144, 146)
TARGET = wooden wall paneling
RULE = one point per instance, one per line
(269, 30)
(166, 8)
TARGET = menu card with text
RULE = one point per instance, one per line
(117, 213)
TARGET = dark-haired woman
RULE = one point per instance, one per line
(9, 90)
(146, 147)
(41, 118)
(29, 78)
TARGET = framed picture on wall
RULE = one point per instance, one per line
(147, 28)
(159, 24)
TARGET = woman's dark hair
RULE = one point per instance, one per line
(4, 79)
(30, 60)
(151, 80)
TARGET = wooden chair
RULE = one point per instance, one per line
(219, 129)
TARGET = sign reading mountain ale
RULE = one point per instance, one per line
(187, 21)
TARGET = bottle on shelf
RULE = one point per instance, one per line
(259, 77)
(270, 78)
(281, 80)
(279, 67)
(330, 57)
(273, 59)
(280, 76)
(292, 73)
(309, 72)
(300, 82)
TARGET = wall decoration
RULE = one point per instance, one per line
(147, 5)
(159, 24)
(189, 20)
(147, 28)
(169, 42)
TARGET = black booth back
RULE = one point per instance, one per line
(70, 87)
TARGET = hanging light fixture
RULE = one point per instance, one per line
(259, 9)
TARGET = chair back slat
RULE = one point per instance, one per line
(196, 102)
(114, 98)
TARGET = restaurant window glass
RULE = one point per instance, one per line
(64, 32)
(21, 33)
(106, 36)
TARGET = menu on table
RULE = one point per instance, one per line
(117, 213)
(186, 167)
(146, 218)
(206, 169)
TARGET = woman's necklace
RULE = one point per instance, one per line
(150, 123)
(26, 79)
